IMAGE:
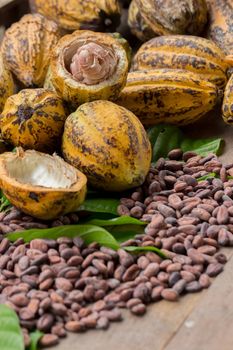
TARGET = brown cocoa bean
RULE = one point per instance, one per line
(175, 154)
(214, 269)
(167, 243)
(125, 258)
(19, 299)
(198, 241)
(153, 257)
(169, 294)
(201, 214)
(221, 258)
(206, 249)
(75, 261)
(119, 272)
(45, 304)
(58, 330)
(182, 259)
(26, 314)
(48, 340)
(223, 237)
(173, 278)
(102, 323)
(163, 277)
(151, 270)
(143, 262)
(136, 212)
(46, 284)
(187, 276)
(4, 245)
(165, 263)
(39, 244)
(156, 293)
(100, 266)
(113, 315)
(166, 211)
(89, 322)
(139, 309)
(179, 286)
(126, 294)
(84, 312)
(174, 267)
(74, 326)
(129, 203)
(88, 292)
(196, 257)
(222, 215)
(132, 302)
(45, 322)
(24, 263)
(204, 281)
(4, 229)
(131, 273)
(64, 284)
(175, 201)
(3, 261)
(193, 287)
(142, 292)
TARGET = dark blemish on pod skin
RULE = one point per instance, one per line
(34, 196)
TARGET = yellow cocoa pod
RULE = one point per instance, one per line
(41, 185)
(149, 18)
(186, 52)
(6, 83)
(26, 48)
(71, 15)
(33, 118)
(88, 66)
(108, 144)
(169, 96)
(227, 106)
(137, 24)
(220, 28)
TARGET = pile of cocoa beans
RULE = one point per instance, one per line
(64, 285)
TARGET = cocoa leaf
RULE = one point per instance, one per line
(11, 337)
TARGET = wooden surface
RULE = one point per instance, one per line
(202, 321)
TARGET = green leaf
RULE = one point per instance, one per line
(100, 205)
(135, 249)
(122, 228)
(122, 220)
(4, 202)
(206, 177)
(11, 337)
(203, 146)
(35, 337)
(211, 176)
(164, 138)
(118, 232)
(89, 233)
